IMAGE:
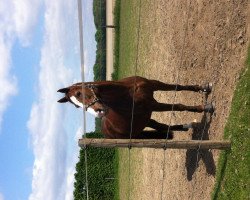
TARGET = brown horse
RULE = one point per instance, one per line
(115, 101)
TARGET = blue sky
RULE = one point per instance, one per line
(39, 48)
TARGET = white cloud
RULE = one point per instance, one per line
(70, 183)
(54, 166)
(17, 19)
(1, 196)
(55, 158)
(25, 17)
(49, 143)
(8, 82)
(71, 176)
(46, 120)
(71, 169)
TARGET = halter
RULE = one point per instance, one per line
(96, 99)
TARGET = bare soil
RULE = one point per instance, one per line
(191, 42)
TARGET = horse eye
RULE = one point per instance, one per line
(78, 94)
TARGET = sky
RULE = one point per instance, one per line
(39, 54)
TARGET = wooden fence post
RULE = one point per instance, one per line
(155, 143)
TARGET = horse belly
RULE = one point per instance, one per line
(120, 127)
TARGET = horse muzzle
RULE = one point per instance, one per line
(97, 113)
(101, 113)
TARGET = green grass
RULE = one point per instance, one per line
(129, 173)
(126, 38)
(126, 21)
(116, 181)
(233, 172)
(127, 42)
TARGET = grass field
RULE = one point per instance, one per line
(125, 44)
(125, 61)
(233, 173)
(127, 39)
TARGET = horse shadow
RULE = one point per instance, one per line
(200, 132)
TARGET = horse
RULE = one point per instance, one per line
(125, 106)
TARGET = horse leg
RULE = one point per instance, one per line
(163, 131)
(160, 107)
(155, 134)
(157, 85)
(163, 127)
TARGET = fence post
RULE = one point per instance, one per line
(155, 143)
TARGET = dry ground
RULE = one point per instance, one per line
(190, 42)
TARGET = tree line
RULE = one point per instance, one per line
(99, 11)
(101, 167)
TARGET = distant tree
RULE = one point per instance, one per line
(101, 169)
(99, 11)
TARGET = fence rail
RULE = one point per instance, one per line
(155, 143)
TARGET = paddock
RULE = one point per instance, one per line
(191, 42)
(202, 41)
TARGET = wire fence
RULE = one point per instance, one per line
(188, 2)
(175, 92)
(174, 99)
(133, 103)
(79, 5)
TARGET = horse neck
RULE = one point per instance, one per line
(112, 92)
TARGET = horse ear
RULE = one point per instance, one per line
(63, 100)
(63, 90)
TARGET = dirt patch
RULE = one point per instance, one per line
(190, 43)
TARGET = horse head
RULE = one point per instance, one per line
(83, 95)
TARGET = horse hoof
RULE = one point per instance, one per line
(186, 127)
(207, 87)
(193, 124)
(209, 108)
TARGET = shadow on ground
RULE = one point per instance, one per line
(193, 156)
